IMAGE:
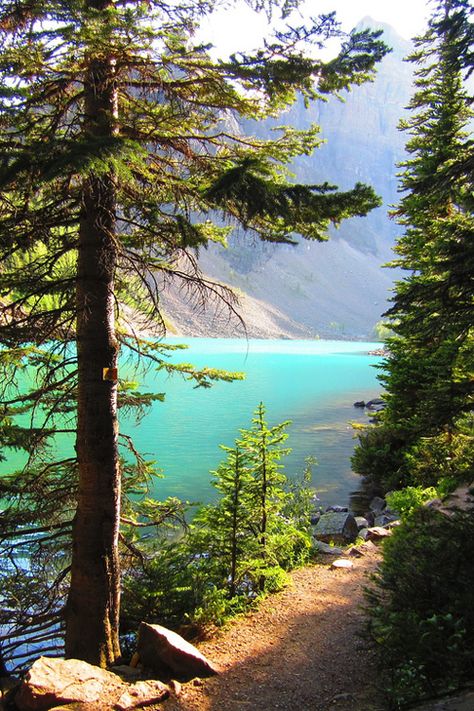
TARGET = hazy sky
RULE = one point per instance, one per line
(237, 29)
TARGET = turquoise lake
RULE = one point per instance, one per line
(312, 383)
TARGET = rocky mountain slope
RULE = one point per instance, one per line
(335, 289)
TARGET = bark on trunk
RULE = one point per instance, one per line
(92, 610)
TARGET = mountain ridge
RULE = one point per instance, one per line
(332, 289)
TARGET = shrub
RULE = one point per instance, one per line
(421, 606)
(407, 500)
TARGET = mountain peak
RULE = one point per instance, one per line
(400, 46)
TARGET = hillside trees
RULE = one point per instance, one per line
(117, 151)
(425, 431)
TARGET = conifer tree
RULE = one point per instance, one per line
(263, 445)
(221, 530)
(255, 526)
(116, 153)
(428, 374)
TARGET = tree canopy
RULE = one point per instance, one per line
(428, 373)
(119, 158)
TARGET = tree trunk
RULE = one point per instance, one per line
(92, 610)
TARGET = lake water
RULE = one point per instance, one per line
(312, 383)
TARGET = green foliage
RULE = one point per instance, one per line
(421, 606)
(117, 138)
(237, 548)
(382, 331)
(257, 525)
(407, 500)
(420, 436)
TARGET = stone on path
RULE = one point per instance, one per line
(378, 532)
(363, 549)
(53, 683)
(342, 563)
(160, 648)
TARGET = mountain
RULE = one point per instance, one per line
(335, 289)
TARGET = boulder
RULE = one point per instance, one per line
(376, 533)
(337, 527)
(53, 683)
(161, 649)
(363, 533)
(361, 522)
(385, 518)
(359, 403)
(337, 509)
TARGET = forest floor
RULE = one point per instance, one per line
(301, 650)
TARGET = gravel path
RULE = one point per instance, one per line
(301, 650)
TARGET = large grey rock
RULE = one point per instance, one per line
(336, 527)
(53, 683)
(385, 518)
(161, 649)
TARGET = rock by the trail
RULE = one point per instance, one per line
(160, 648)
(377, 504)
(336, 527)
(52, 683)
(326, 549)
(363, 533)
(337, 509)
(342, 563)
(377, 532)
(141, 694)
(361, 550)
(385, 518)
(361, 522)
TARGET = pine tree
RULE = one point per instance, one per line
(263, 445)
(258, 524)
(116, 156)
(221, 530)
(428, 374)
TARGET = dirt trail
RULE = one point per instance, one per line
(301, 650)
